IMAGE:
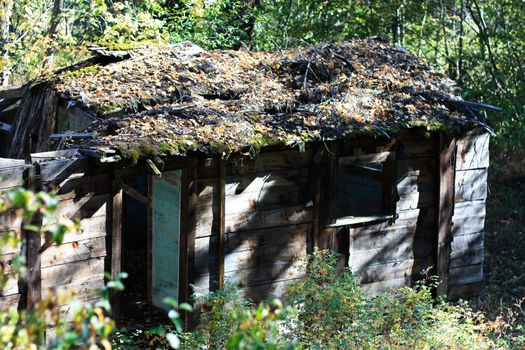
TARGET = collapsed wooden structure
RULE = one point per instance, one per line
(391, 192)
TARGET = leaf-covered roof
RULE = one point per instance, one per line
(181, 98)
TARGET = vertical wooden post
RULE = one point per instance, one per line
(187, 242)
(222, 224)
(116, 239)
(33, 243)
(447, 151)
(316, 223)
(149, 244)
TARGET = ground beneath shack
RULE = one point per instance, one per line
(504, 266)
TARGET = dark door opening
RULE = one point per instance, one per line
(135, 310)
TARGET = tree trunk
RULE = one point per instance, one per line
(5, 29)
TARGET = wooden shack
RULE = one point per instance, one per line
(195, 169)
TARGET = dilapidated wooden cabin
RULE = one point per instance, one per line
(193, 169)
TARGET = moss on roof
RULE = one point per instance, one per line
(182, 98)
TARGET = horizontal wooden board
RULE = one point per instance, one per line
(465, 274)
(413, 182)
(265, 161)
(61, 169)
(277, 236)
(469, 209)
(74, 251)
(456, 291)
(83, 289)
(463, 226)
(67, 273)
(415, 200)
(85, 186)
(467, 242)
(360, 259)
(415, 144)
(92, 227)
(10, 301)
(376, 288)
(252, 183)
(471, 185)
(11, 286)
(12, 176)
(267, 291)
(466, 257)
(364, 239)
(10, 220)
(473, 151)
(424, 218)
(84, 207)
(267, 199)
(255, 219)
(265, 274)
(392, 270)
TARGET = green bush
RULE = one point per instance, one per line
(328, 310)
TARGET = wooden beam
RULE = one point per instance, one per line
(445, 210)
(11, 92)
(149, 264)
(33, 241)
(222, 224)
(188, 232)
(77, 135)
(116, 240)
(130, 191)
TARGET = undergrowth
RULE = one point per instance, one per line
(328, 310)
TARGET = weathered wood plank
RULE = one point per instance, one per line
(469, 209)
(268, 290)
(471, 185)
(460, 258)
(360, 259)
(466, 274)
(270, 198)
(53, 155)
(265, 161)
(266, 274)
(12, 176)
(445, 211)
(92, 227)
(375, 288)
(12, 92)
(84, 207)
(74, 251)
(79, 187)
(467, 242)
(10, 301)
(116, 237)
(67, 273)
(456, 291)
(83, 289)
(473, 151)
(61, 169)
(252, 183)
(392, 270)
(256, 219)
(364, 239)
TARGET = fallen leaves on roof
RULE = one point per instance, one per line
(183, 98)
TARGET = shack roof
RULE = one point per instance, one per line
(182, 98)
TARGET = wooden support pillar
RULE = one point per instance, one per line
(445, 210)
(222, 223)
(116, 239)
(188, 232)
(33, 242)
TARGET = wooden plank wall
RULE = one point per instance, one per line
(389, 255)
(266, 223)
(85, 194)
(12, 175)
(466, 260)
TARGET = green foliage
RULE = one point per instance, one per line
(328, 310)
(89, 325)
